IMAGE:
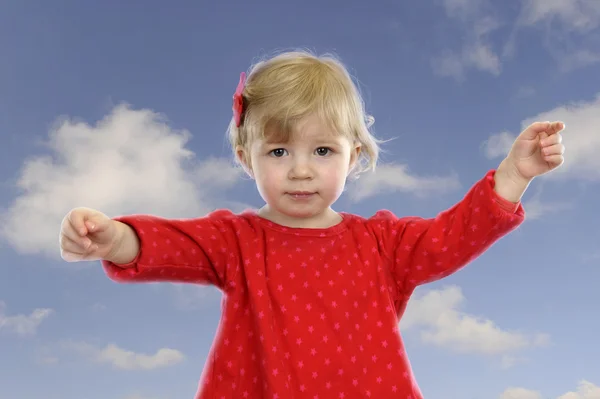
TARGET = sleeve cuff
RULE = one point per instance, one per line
(131, 266)
(503, 203)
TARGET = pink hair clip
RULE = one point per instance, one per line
(238, 100)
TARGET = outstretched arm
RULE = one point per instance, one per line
(425, 250)
(201, 250)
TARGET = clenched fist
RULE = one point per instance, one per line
(87, 234)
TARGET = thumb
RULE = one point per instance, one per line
(533, 131)
(541, 128)
(97, 223)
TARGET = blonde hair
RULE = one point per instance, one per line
(286, 88)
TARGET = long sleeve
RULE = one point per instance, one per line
(425, 250)
(201, 250)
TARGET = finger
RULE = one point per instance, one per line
(97, 223)
(555, 160)
(74, 247)
(69, 231)
(71, 251)
(556, 149)
(551, 140)
(77, 219)
(534, 130)
(556, 127)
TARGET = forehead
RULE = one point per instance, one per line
(309, 129)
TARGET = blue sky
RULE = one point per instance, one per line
(123, 108)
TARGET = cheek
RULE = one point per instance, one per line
(335, 173)
(265, 180)
(267, 172)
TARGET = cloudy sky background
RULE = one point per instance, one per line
(123, 108)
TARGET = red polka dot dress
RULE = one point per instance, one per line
(314, 313)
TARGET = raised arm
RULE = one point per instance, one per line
(425, 250)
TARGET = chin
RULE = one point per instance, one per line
(300, 213)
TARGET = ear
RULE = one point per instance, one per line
(243, 157)
(354, 155)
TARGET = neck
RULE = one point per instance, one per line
(327, 218)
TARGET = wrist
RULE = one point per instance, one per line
(125, 246)
(509, 184)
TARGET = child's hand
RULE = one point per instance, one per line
(86, 234)
(537, 150)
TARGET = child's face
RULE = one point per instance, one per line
(302, 178)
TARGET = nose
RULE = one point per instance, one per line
(301, 169)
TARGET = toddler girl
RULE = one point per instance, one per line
(312, 296)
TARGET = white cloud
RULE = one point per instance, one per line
(438, 316)
(569, 29)
(585, 390)
(393, 178)
(477, 52)
(477, 55)
(23, 324)
(127, 360)
(131, 161)
(579, 58)
(449, 64)
(217, 173)
(581, 138)
(573, 15)
(498, 145)
(508, 361)
(536, 209)
(520, 393)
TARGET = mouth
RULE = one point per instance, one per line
(301, 194)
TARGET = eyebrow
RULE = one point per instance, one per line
(329, 140)
(317, 143)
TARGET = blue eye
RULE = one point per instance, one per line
(278, 152)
